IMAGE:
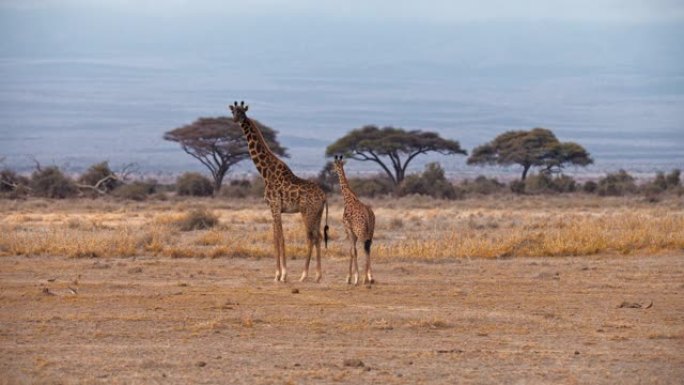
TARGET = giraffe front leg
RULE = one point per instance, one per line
(278, 242)
(283, 259)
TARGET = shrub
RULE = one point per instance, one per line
(544, 183)
(481, 185)
(13, 185)
(431, 182)
(517, 187)
(672, 179)
(327, 178)
(616, 184)
(243, 188)
(50, 182)
(590, 187)
(194, 184)
(371, 187)
(137, 191)
(198, 219)
(100, 173)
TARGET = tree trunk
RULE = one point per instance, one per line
(218, 181)
(526, 168)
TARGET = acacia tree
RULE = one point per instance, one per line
(538, 147)
(219, 143)
(391, 148)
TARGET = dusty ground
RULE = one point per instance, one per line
(218, 321)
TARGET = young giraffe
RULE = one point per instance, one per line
(285, 193)
(359, 223)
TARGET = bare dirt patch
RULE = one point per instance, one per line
(217, 321)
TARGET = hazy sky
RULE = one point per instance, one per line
(119, 73)
(436, 10)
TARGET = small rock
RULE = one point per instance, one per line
(98, 265)
(576, 352)
(450, 351)
(367, 369)
(629, 305)
(295, 291)
(135, 270)
(201, 364)
(297, 364)
(51, 279)
(47, 291)
(354, 363)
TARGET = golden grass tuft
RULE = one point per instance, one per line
(411, 230)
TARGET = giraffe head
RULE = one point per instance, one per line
(239, 111)
(339, 164)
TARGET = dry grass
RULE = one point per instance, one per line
(407, 229)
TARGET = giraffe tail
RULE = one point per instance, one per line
(367, 245)
(325, 228)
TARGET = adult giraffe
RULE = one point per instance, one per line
(285, 193)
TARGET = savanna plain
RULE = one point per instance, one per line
(571, 288)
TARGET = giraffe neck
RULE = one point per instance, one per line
(261, 154)
(347, 193)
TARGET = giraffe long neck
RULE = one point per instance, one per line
(347, 193)
(259, 151)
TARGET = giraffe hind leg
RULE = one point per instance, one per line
(368, 276)
(305, 273)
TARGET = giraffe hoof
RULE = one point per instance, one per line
(318, 278)
(303, 277)
(348, 280)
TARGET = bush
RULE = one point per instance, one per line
(431, 182)
(481, 185)
(327, 178)
(371, 187)
(100, 173)
(590, 187)
(517, 187)
(672, 179)
(194, 184)
(137, 191)
(244, 188)
(199, 219)
(50, 182)
(13, 185)
(616, 184)
(544, 183)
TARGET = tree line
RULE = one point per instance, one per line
(219, 144)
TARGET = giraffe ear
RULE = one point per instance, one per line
(231, 107)
(246, 108)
